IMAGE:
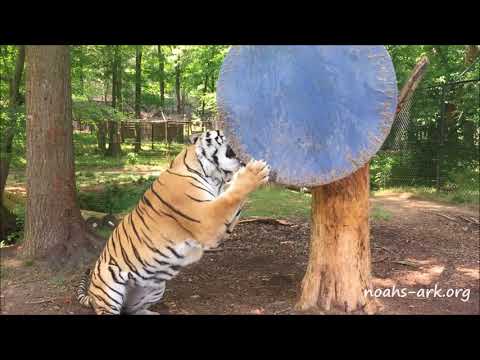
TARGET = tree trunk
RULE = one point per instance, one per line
(412, 83)
(177, 88)
(161, 71)
(119, 70)
(338, 271)
(138, 95)
(7, 220)
(114, 148)
(82, 76)
(114, 76)
(101, 136)
(54, 226)
(184, 99)
(471, 53)
(205, 84)
(119, 91)
(106, 86)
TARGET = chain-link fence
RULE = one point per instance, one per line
(434, 141)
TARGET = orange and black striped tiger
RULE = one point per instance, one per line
(189, 208)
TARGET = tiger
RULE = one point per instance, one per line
(191, 207)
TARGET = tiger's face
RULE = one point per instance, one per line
(216, 156)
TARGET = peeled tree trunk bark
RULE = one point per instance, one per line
(54, 226)
(338, 271)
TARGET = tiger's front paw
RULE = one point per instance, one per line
(252, 176)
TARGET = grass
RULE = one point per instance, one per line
(88, 157)
(28, 263)
(379, 213)
(4, 272)
(58, 280)
(104, 232)
(269, 201)
(114, 198)
(115, 185)
(277, 202)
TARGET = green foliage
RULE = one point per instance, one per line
(381, 168)
(114, 198)
(199, 67)
(447, 63)
(88, 156)
(132, 158)
(16, 236)
(8, 54)
(92, 112)
(15, 121)
(463, 185)
(104, 231)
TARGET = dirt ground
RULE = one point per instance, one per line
(258, 271)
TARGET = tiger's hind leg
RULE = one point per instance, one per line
(140, 298)
(108, 290)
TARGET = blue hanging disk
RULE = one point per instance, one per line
(315, 113)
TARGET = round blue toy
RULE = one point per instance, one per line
(315, 114)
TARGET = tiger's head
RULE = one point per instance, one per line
(216, 157)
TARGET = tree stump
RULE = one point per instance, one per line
(339, 268)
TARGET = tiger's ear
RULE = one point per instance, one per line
(194, 138)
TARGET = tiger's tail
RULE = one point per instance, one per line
(82, 296)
